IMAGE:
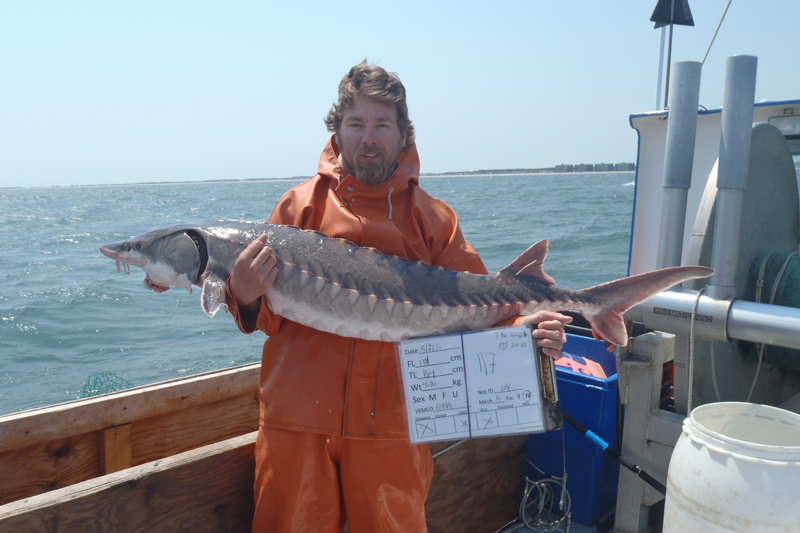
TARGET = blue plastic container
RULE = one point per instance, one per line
(592, 475)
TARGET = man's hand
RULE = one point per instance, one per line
(253, 273)
(549, 330)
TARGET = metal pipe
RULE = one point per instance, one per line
(734, 163)
(720, 320)
(749, 321)
(678, 159)
(671, 311)
(673, 216)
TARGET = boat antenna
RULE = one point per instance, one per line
(716, 32)
(670, 12)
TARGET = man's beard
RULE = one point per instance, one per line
(373, 172)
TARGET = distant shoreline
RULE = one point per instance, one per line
(465, 174)
(528, 173)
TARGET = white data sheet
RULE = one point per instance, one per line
(472, 384)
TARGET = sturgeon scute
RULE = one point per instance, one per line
(336, 286)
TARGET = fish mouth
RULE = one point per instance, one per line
(124, 259)
(148, 283)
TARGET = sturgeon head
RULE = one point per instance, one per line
(186, 255)
(170, 257)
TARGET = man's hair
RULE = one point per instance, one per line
(373, 82)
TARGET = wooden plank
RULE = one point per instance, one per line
(113, 449)
(39, 426)
(180, 431)
(208, 489)
(36, 469)
(104, 450)
(116, 448)
(477, 485)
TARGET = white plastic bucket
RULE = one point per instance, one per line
(736, 467)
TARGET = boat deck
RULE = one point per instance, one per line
(518, 526)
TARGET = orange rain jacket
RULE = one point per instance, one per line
(323, 383)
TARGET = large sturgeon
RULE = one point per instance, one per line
(336, 286)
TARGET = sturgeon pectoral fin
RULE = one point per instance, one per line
(213, 296)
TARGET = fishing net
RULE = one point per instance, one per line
(102, 383)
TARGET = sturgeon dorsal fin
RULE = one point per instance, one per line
(531, 262)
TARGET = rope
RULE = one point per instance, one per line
(714, 372)
(540, 495)
(761, 347)
(691, 351)
(779, 276)
(759, 286)
(716, 32)
(440, 452)
(691, 357)
(538, 501)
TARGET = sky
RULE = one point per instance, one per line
(124, 92)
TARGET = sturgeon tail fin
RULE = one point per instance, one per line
(616, 297)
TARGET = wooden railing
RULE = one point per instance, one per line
(57, 446)
(206, 489)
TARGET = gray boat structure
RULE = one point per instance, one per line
(716, 188)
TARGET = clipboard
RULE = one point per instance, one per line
(478, 384)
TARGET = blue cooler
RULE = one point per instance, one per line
(592, 475)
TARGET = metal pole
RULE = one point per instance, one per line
(660, 67)
(734, 163)
(669, 62)
(669, 52)
(678, 159)
(771, 324)
(720, 320)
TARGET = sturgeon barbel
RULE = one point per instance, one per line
(336, 286)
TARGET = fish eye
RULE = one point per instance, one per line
(138, 246)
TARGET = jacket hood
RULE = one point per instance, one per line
(406, 173)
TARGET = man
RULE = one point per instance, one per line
(332, 445)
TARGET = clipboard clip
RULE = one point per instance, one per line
(550, 403)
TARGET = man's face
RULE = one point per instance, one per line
(370, 141)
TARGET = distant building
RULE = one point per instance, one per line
(596, 167)
(562, 168)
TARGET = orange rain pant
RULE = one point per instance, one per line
(314, 482)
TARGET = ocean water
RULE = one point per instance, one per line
(66, 315)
